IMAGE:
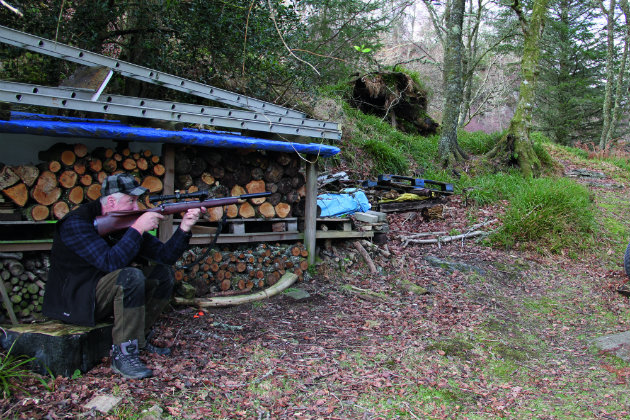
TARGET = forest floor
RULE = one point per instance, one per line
(506, 334)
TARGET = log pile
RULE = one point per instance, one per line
(24, 276)
(70, 175)
(231, 173)
(241, 269)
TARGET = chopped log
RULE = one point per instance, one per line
(68, 179)
(8, 177)
(257, 173)
(146, 153)
(17, 193)
(60, 209)
(284, 185)
(198, 166)
(274, 199)
(284, 159)
(183, 181)
(232, 211)
(142, 164)
(207, 178)
(85, 180)
(100, 176)
(129, 164)
(179, 275)
(46, 191)
(215, 213)
(225, 284)
(93, 192)
(80, 150)
(74, 195)
(283, 210)
(217, 257)
(153, 184)
(218, 172)
(27, 173)
(110, 165)
(241, 266)
(54, 166)
(158, 169)
(256, 187)
(267, 210)
(246, 211)
(36, 213)
(79, 167)
(273, 173)
(95, 164)
(68, 157)
(182, 164)
(117, 157)
(237, 190)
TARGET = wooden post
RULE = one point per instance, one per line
(310, 214)
(166, 225)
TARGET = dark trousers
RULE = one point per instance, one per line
(135, 298)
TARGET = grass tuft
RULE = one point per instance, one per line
(557, 214)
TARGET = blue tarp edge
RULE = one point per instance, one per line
(124, 132)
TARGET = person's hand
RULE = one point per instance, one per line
(190, 218)
(148, 221)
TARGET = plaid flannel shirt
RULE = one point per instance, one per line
(81, 236)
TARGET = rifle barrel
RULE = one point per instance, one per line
(120, 220)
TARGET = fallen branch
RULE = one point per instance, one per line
(444, 239)
(365, 256)
(285, 281)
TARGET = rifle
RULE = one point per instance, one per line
(119, 220)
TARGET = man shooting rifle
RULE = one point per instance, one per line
(91, 280)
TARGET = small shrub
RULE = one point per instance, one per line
(557, 214)
(12, 371)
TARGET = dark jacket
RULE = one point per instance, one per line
(71, 284)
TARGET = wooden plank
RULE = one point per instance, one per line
(310, 214)
(407, 205)
(166, 228)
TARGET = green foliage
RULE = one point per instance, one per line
(539, 140)
(477, 142)
(557, 214)
(386, 158)
(489, 188)
(12, 371)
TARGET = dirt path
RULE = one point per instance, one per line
(507, 336)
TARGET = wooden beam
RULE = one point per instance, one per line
(166, 225)
(310, 214)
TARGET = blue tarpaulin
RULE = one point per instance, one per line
(332, 205)
(22, 123)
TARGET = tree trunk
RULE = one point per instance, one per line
(610, 73)
(450, 152)
(516, 147)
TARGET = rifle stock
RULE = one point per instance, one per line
(120, 220)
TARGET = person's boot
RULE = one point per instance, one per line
(126, 361)
(150, 348)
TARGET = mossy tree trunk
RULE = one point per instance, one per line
(449, 149)
(516, 146)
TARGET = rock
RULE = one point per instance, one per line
(103, 403)
(297, 294)
(585, 173)
(618, 344)
(452, 266)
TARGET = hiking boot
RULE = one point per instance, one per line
(150, 348)
(126, 361)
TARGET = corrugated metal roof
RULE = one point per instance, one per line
(48, 125)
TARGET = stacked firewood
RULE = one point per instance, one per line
(24, 277)
(241, 269)
(69, 175)
(231, 173)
